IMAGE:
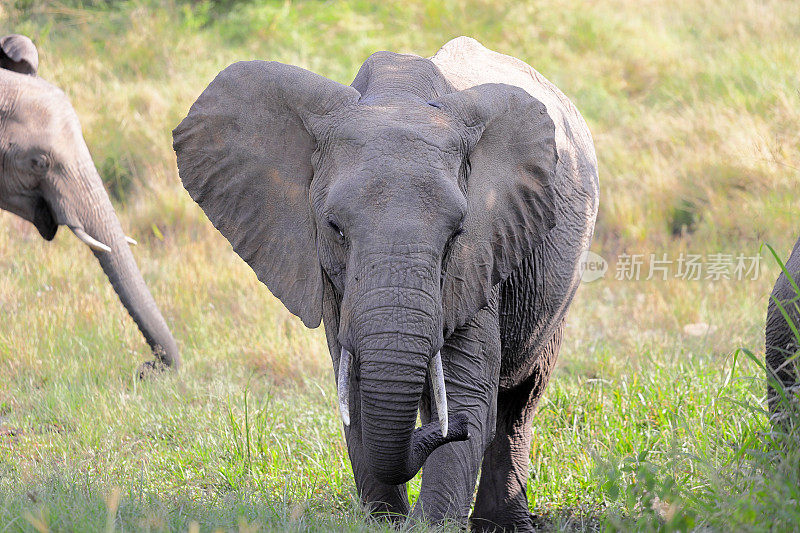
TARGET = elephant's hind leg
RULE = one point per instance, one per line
(502, 502)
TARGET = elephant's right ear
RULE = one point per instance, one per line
(18, 53)
(244, 154)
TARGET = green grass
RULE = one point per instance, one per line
(694, 108)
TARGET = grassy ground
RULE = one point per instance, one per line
(647, 425)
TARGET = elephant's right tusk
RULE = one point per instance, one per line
(343, 386)
(90, 241)
(131, 240)
(439, 393)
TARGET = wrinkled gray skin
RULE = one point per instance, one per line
(48, 178)
(434, 204)
(781, 342)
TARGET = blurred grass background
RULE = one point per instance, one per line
(694, 108)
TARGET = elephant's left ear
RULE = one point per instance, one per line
(18, 53)
(245, 156)
(510, 196)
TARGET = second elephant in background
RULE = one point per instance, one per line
(47, 177)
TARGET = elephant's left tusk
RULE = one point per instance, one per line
(343, 386)
(131, 240)
(90, 241)
(439, 393)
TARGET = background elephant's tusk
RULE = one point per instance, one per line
(131, 240)
(90, 241)
(439, 392)
(343, 386)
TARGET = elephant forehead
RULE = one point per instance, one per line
(395, 185)
(397, 128)
(39, 106)
(390, 160)
(406, 157)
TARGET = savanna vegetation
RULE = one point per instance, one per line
(655, 419)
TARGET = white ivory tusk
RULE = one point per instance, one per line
(131, 240)
(439, 392)
(90, 241)
(343, 386)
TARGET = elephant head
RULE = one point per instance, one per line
(48, 178)
(398, 198)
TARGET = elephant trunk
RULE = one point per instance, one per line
(396, 333)
(87, 210)
(390, 394)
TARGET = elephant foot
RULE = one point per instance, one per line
(393, 519)
(538, 522)
(527, 526)
(393, 513)
(151, 369)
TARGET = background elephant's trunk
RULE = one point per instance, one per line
(395, 329)
(85, 206)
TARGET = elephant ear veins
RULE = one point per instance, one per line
(244, 155)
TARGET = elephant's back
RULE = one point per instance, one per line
(465, 63)
(535, 299)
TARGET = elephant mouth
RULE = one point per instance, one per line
(44, 220)
(437, 385)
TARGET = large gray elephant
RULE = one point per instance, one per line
(432, 214)
(782, 344)
(48, 178)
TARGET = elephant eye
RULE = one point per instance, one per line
(458, 231)
(335, 227)
(40, 163)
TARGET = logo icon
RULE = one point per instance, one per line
(593, 266)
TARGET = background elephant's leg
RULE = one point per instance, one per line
(471, 360)
(782, 371)
(502, 502)
(783, 318)
(385, 501)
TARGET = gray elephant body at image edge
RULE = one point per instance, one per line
(432, 214)
(48, 178)
(782, 344)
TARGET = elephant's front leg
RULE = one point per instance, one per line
(471, 361)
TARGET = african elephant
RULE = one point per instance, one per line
(48, 178)
(432, 214)
(782, 344)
